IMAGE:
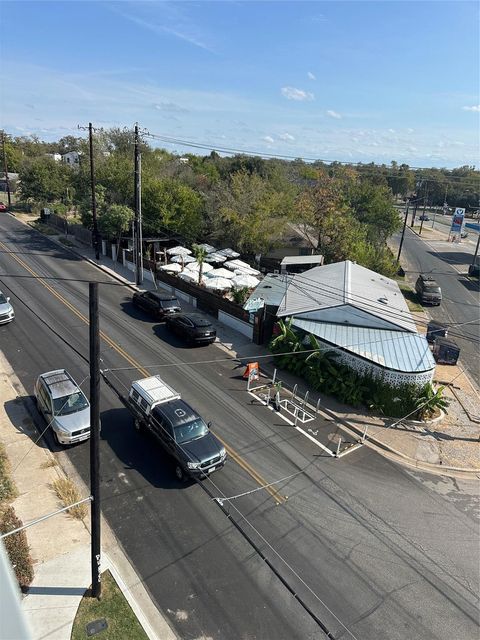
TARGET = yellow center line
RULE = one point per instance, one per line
(231, 452)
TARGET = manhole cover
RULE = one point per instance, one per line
(96, 626)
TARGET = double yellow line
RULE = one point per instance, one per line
(279, 499)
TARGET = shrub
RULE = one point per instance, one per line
(69, 494)
(16, 546)
(7, 487)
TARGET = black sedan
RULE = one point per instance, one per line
(192, 327)
(158, 305)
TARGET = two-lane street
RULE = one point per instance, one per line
(374, 551)
(460, 308)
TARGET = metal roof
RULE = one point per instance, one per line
(396, 350)
(309, 259)
(271, 289)
(346, 283)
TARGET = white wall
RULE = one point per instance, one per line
(238, 325)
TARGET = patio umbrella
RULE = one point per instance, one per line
(221, 273)
(215, 257)
(244, 280)
(183, 259)
(218, 284)
(208, 247)
(195, 266)
(189, 276)
(241, 266)
(229, 253)
(179, 251)
(173, 268)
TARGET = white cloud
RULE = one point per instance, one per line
(311, 76)
(292, 93)
(391, 130)
(334, 114)
(287, 137)
(410, 130)
(476, 107)
(170, 106)
(268, 139)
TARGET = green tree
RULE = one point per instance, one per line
(373, 206)
(170, 205)
(44, 180)
(429, 401)
(115, 220)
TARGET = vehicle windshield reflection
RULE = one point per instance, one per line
(190, 431)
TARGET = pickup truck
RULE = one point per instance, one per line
(179, 429)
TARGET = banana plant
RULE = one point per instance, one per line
(429, 401)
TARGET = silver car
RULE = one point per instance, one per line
(64, 406)
(7, 313)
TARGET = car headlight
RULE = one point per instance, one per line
(193, 465)
(223, 452)
(66, 432)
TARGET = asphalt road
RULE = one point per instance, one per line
(374, 551)
(460, 307)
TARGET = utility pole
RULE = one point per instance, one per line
(5, 168)
(94, 329)
(422, 217)
(94, 199)
(403, 232)
(138, 214)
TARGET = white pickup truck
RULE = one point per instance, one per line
(158, 408)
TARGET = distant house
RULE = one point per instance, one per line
(295, 242)
(54, 156)
(71, 157)
(359, 313)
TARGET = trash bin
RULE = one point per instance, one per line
(45, 214)
(436, 330)
(445, 351)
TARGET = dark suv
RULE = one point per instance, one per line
(158, 305)
(192, 327)
(428, 290)
(186, 437)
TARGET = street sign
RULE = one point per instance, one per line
(458, 220)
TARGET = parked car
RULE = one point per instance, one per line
(192, 327)
(3, 207)
(428, 290)
(424, 217)
(179, 429)
(64, 406)
(7, 314)
(158, 305)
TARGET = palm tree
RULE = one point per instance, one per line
(199, 253)
(429, 400)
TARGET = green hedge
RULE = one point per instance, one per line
(16, 546)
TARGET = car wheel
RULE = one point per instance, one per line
(180, 473)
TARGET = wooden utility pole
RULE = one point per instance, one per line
(138, 240)
(94, 329)
(94, 198)
(5, 168)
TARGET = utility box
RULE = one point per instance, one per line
(436, 330)
(445, 351)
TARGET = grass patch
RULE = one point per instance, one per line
(45, 228)
(66, 242)
(8, 490)
(410, 296)
(122, 622)
(68, 494)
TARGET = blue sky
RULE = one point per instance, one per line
(349, 81)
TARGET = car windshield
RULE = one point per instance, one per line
(201, 322)
(3, 299)
(190, 431)
(432, 288)
(69, 404)
(169, 304)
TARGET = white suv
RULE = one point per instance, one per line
(63, 405)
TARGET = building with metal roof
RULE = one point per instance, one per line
(359, 313)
